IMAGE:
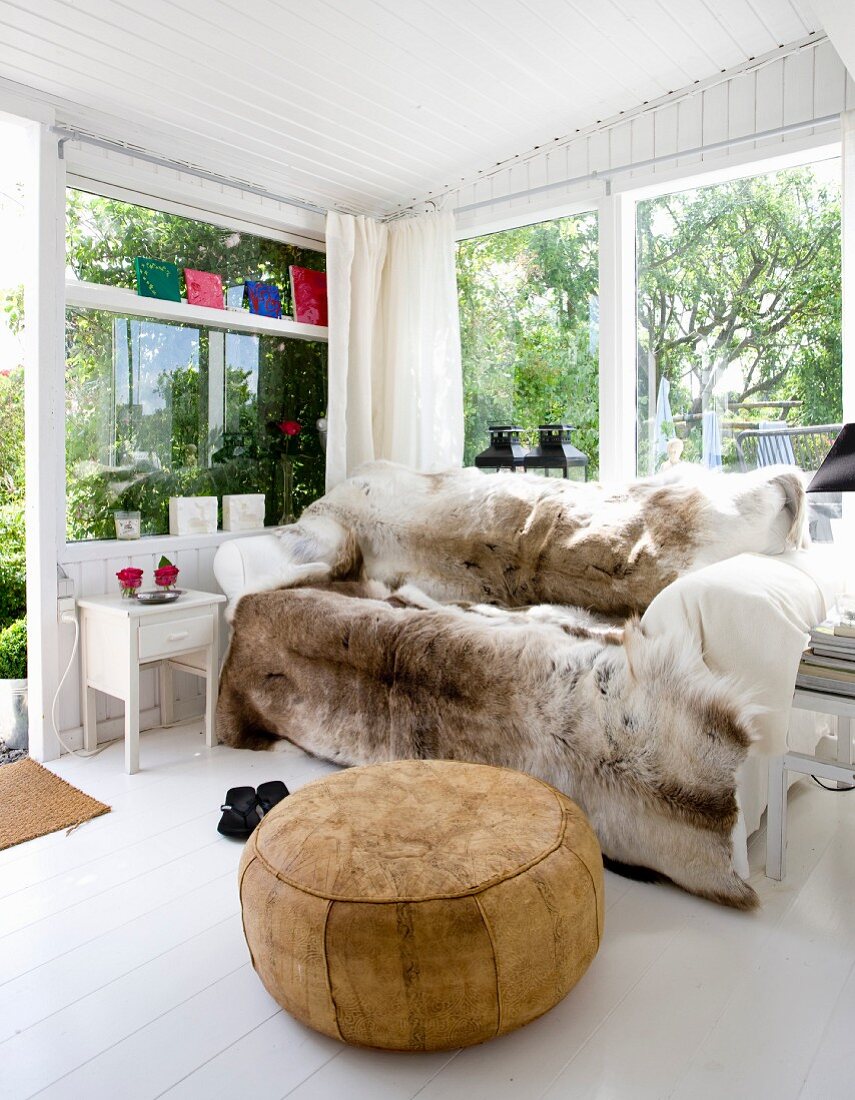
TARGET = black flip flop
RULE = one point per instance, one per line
(240, 812)
(270, 794)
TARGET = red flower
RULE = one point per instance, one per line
(130, 578)
(289, 427)
(165, 576)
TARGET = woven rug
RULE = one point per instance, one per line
(34, 801)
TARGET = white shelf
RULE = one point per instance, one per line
(117, 299)
(824, 702)
(103, 549)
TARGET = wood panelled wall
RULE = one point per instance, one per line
(805, 82)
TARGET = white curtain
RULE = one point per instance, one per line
(356, 251)
(395, 378)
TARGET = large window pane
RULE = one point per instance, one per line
(158, 409)
(739, 352)
(529, 331)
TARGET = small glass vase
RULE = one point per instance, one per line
(287, 464)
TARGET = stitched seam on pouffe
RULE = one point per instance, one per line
(470, 892)
(489, 930)
(577, 857)
(242, 921)
(327, 972)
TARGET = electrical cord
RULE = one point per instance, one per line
(69, 618)
(834, 790)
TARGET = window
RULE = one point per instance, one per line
(14, 189)
(739, 315)
(529, 331)
(158, 408)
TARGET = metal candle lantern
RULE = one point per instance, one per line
(556, 452)
(505, 451)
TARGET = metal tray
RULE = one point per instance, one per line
(160, 595)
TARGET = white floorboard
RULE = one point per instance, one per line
(123, 970)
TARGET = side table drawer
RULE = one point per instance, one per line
(175, 636)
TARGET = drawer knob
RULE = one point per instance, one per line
(177, 637)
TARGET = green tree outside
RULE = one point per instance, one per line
(529, 349)
(738, 301)
(739, 304)
(137, 397)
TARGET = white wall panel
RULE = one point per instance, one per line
(742, 105)
(798, 87)
(716, 118)
(643, 140)
(691, 129)
(829, 80)
(665, 131)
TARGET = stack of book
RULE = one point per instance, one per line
(828, 664)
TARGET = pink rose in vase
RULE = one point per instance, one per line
(166, 574)
(130, 578)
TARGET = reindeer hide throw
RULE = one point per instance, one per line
(644, 738)
(522, 539)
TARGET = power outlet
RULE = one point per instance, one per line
(66, 609)
(64, 587)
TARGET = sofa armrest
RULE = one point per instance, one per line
(243, 564)
(749, 617)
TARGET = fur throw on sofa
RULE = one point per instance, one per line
(517, 540)
(644, 738)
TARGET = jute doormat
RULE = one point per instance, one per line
(34, 801)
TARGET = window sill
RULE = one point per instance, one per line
(116, 299)
(102, 549)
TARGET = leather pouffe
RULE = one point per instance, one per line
(422, 904)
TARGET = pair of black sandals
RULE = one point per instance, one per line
(244, 806)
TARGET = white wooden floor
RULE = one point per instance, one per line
(123, 971)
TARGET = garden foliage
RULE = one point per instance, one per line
(738, 296)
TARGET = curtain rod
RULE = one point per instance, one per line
(607, 173)
(178, 166)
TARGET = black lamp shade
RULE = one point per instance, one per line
(837, 472)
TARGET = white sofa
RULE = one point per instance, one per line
(747, 617)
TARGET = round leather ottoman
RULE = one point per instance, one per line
(422, 904)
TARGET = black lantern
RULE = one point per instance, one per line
(505, 451)
(556, 452)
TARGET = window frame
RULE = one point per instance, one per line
(121, 301)
(676, 184)
(617, 212)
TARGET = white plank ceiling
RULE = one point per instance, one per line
(367, 105)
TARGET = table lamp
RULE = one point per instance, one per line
(837, 472)
(837, 475)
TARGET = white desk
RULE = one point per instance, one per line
(118, 636)
(841, 771)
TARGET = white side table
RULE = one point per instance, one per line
(118, 636)
(841, 770)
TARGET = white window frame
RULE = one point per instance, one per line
(46, 296)
(616, 210)
(123, 302)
